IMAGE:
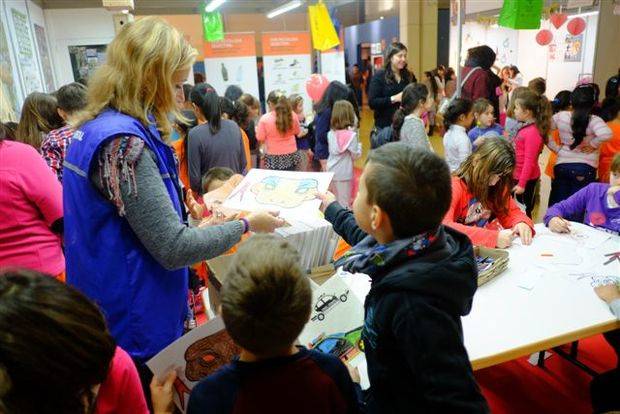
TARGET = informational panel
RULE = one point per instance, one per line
(232, 61)
(44, 57)
(10, 100)
(286, 56)
(25, 49)
(332, 65)
(85, 60)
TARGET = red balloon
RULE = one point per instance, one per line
(544, 37)
(558, 19)
(576, 26)
(316, 85)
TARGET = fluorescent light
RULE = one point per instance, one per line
(284, 8)
(214, 4)
(381, 18)
(125, 11)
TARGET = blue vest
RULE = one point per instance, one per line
(144, 304)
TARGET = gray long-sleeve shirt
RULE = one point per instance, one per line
(152, 217)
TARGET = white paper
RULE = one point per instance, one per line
(194, 356)
(291, 193)
(288, 73)
(528, 279)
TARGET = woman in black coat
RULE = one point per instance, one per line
(386, 85)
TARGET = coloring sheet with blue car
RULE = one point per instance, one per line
(292, 193)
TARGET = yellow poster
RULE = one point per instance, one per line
(324, 36)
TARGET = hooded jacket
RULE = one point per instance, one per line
(413, 336)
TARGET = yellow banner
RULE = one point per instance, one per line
(324, 36)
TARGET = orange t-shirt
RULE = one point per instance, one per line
(555, 135)
(608, 150)
(246, 149)
(179, 148)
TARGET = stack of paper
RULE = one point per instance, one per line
(315, 240)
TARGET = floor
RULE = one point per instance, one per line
(517, 386)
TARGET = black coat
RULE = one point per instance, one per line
(412, 333)
(379, 94)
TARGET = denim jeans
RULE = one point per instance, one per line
(570, 178)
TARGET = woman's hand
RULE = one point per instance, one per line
(518, 190)
(525, 233)
(559, 225)
(264, 222)
(326, 199)
(397, 98)
(162, 393)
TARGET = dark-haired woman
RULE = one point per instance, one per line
(482, 82)
(216, 143)
(335, 92)
(581, 135)
(386, 85)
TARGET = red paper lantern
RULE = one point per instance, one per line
(544, 37)
(558, 19)
(315, 86)
(576, 26)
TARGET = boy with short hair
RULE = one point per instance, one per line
(424, 277)
(71, 100)
(266, 301)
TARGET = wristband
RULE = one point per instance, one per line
(246, 225)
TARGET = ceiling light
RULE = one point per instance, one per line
(213, 4)
(284, 8)
(125, 11)
(381, 18)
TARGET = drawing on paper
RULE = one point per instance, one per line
(206, 355)
(345, 345)
(326, 302)
(285, 192)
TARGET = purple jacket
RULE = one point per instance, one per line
(589, 206)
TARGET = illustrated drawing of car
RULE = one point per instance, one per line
(325, 302)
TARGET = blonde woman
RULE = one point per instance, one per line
(127, 246)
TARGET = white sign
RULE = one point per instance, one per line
(332, 66)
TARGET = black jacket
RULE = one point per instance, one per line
(379, 94)
(413, 336)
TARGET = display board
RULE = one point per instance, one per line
(9, 84)
(44, 57)
(332, 65)
(25, 51)
(232, 61)
(286, 56)
(85, 60)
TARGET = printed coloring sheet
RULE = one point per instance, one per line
(291, 193)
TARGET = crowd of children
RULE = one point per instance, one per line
(76, 332)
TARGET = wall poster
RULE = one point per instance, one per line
(31, 77)
(85, 60)
(9, 95)
(44, 57)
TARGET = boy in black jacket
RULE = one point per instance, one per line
(423, 280)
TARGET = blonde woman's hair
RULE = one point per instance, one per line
(343, 115)
(137, 76)
(495, 156)
(39, 116)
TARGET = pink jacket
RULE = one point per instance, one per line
(528, 145)
(30, 202)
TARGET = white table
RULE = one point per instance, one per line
(508, 321)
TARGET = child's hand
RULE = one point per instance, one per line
(162, 393)
(195, 210)
(587, 149)
(326, 199)
(479, 141)
(353, 372)
(608, 293)
(505, 238)
(559, 225)
(264, 222)
(525, 233)
(518, 190)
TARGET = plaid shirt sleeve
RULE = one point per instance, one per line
(53, 149)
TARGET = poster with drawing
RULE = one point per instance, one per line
(31, 78)
(9, 95)
(44, 57)
(194, 356)
(573, 48)
(293, 194)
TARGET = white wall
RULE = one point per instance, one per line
(75, 27)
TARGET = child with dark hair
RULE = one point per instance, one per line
(581, 135)
(597, 205)
(484, 114)
(538, 86)
(277, 130)
(482, 206)
(216, 143)
(71, 362)
(8, 131)
(423, 280)
(239, 113)
(408, 125)
(266, 302)
(534, 112)
(457, 118)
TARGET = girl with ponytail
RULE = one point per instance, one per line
(581, 135)
(534, 111)
(277, 129)
(407, 125)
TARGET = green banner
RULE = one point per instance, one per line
(521, 14)
(213, 26)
